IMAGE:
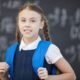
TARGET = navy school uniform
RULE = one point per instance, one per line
(23, 69)
(23, 65)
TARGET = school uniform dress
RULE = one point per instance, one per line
(22, 62)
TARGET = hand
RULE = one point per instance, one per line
(42, 73)
(3, 68)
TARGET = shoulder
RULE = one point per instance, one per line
(46, 42)
(13, 45)
(10, 51)
(53, 54)
(53, 47)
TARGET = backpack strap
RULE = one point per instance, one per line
(39, 56)
(10, 56)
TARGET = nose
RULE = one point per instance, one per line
(27, 24)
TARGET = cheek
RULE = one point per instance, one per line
(36, 31)
(21, 29)
(20, 25)
(38, 26)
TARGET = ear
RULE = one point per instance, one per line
(42, 25)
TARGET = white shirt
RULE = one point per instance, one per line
(53, 53)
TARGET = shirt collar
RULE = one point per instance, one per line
(33, 45)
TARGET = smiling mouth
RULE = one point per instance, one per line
(27, 31)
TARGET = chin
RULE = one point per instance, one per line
(28, 36)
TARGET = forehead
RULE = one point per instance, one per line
(29, 14)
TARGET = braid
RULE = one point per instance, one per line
(17, 35)
(45, 31)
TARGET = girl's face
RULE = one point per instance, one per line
(29, 23)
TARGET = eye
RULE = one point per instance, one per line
(23, 20)
(33, 20)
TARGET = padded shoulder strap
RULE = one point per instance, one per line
(39, 55)
(9, 57)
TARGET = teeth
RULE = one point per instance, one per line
(27, 30)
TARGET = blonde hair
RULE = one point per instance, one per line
(34, 7)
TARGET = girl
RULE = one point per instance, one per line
(31, 58)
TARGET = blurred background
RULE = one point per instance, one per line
(64, 26)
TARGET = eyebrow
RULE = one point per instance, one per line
(30, 18)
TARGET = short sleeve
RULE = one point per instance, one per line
(53, 54)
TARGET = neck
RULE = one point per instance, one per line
(29, 40)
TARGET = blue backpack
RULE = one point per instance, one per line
(37, 60)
